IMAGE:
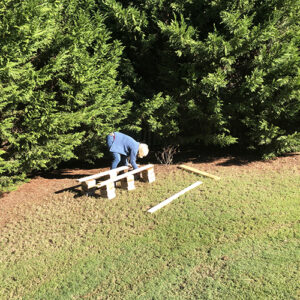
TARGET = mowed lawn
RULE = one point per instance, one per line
(237, 238)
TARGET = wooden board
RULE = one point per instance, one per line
(98, 175)
(191, 169)
(119, 177)
(167, 201)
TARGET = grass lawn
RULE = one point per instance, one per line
(237, 238)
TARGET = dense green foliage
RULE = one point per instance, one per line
(59, 94)
(189, 72)
(228, 69)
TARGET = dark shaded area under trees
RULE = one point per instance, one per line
(194, 73)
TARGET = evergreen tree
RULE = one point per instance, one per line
(242, 79)
(59, 93)
(229, 68)
(210, 72)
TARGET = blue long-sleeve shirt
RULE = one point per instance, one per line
(124, 145)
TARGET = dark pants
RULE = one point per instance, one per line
(118, 159)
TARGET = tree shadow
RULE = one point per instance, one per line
(70, 173)
(182, 157)
(214, 157)
(238, 161)
(291, 154)
(228, 159)
(75, 170)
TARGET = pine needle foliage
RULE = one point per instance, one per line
(59, 92)
(231, 69)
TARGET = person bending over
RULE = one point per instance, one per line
(122, 147)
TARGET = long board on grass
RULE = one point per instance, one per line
(167, 201)
(191, 169)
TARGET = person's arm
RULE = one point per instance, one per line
(133, 159)
(109, 140)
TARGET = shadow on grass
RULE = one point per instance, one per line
(77, 192)
(95, 193)
(73, 189)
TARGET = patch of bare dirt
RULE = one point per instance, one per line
(39, 188)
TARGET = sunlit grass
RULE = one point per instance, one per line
(237, 238)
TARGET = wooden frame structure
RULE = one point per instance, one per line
(89, 183)
(107, 187)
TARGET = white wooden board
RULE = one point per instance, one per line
(167, 201)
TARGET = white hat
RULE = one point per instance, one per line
(143, 150)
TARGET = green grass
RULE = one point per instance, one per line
(237, 238)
